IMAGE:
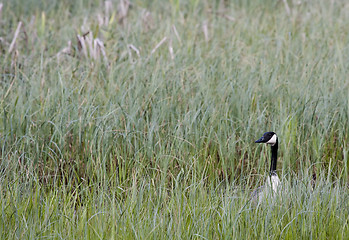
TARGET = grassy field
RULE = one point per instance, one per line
(137, 120)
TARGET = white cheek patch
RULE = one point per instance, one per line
(272, 140)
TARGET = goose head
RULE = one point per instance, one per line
(268, 138)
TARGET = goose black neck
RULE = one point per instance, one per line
(274, 154)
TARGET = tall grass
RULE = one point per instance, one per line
(150, 134)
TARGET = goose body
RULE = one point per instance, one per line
(273, 183)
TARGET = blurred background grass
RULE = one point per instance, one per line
(117, 116)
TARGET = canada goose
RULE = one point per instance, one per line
(273, 181)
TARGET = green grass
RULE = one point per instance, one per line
(152, 143)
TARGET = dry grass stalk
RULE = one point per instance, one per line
(1, 10)
(176, 33)
(105, 18)
(8, 90)
(134, 49)
(82, 45)
(147, 20)
(14, 59)
(123, 10)
(108, 9)
(100, 45)
(222, 12)
(91, 48)
(158, 45)
(100, 20)
(230, 18)
(287, 8)
(170, 49)
(12, 45)
(205, 30)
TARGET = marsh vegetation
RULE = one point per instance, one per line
(137, 119)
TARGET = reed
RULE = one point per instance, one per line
(137, 119)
